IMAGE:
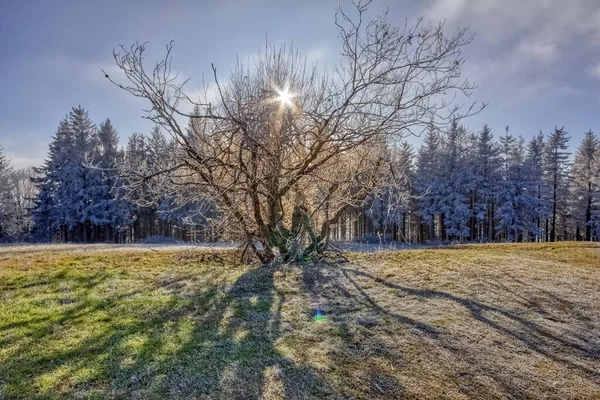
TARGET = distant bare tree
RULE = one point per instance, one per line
(285, 148)
(23, 195)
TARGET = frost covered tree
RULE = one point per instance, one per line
(486, 171)
(158, 156)
(135, 159)
(23, 193)
(5, 196)
(583, 180)
(285, 149)
(74, 197)
(49, 213)
(557, 174)
(537, 188)
(457, 178)
(514, 200)
(112, 211)
(428, 181)
(595, 212)
(83, 186)
(388, 208)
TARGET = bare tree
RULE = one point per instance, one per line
(285, 148)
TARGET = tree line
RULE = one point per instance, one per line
(285, 157)
(468, 186)
(76, 195)
(458, 186)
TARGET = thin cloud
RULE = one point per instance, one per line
(594, 71)
(523, 49)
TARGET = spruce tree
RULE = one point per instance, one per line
(84, 182)
(537, 188)
(557, 165)
(486, 180)
(50, 211)
(455, 185)
(582, 184)
(69, 184)
(112, 213)
(513, 198)
(428, 183)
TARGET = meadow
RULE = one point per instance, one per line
(463, 322)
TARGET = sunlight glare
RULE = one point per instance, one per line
(285, 97)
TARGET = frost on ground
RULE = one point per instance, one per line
(513, 321)
(83, 248)
(349, 246)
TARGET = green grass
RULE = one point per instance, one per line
(489, 321)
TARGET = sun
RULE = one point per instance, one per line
(285, 97)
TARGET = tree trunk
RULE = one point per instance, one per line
(588, 214)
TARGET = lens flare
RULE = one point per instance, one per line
(319, 316)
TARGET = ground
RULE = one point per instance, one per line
(482, 322)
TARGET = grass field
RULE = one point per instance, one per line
(485, 322)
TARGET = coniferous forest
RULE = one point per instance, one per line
(460, 185)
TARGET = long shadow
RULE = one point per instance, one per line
(344, 297)
(229, 350)
(531, 334)
(228, 337)
(242, 361)
(41, 331)
(354, 315)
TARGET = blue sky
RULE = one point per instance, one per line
(537, 63)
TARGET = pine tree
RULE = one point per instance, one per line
(112, 211)
(4, 164)
(595, 212)
(134, 164)
(486, 170)
(428, 181)
(194, 128)
(505, 196)
(84, 182)
(513, 198)
(557, 164)
(582, 184)
(537, 188)
(49, 213)
(69, 186)
(158, 157)
(456, 184)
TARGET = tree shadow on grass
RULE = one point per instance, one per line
(206, 338)
(232, 354)
(573, 347)
(533, 335)
(365, 362)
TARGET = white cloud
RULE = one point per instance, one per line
(594, 71)
(321, 56)
(524, 48)
(540, 87)
(93, 72)
(79, 68)
(25, 149)
(540, 52)
(499, 20)
(445, 10)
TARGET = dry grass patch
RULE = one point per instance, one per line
(489, 321)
